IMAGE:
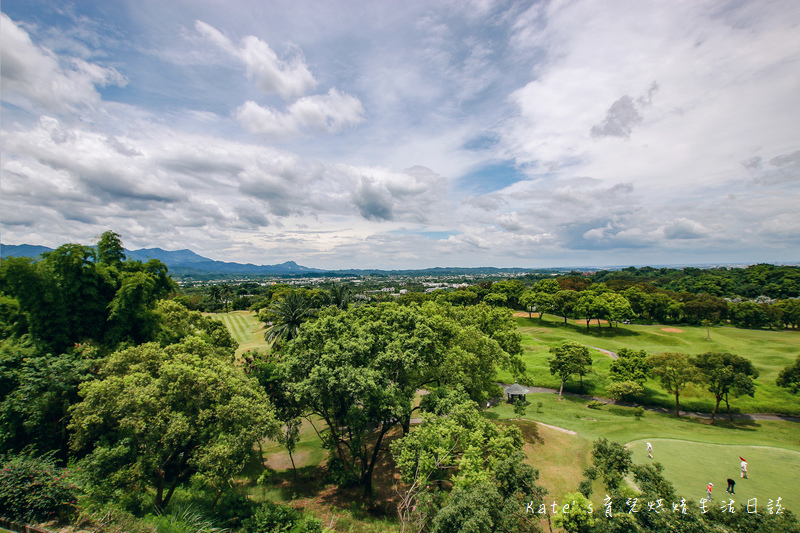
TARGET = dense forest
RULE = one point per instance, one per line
(122, 406)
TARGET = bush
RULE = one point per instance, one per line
(625, 390)
(34, 489)
(183, 519)
(594, 404)
(275, 518)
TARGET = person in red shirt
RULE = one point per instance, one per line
(708, 490)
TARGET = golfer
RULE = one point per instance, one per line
(731, 485)
(649, 450)
(708, 490)
(744, 468)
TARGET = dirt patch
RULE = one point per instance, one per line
(672, 330)
(593, 322)
(281, 461)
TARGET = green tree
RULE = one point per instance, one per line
(550, 286)
(34, 489)
(630, 365)
(109, 249)
(638, 299)
(590, 305)
(359, 369)
(496, 299)
(579, 516)
(565, 302)
(340, 296)
(725, 373)
(675, 371)
(156, 416)
(611, 462)
(568, 359)
(285, 316)
(70, 297)
(538, 301)
(659, 307)
(36, 391)
(462, 297)
(616, 307)
(789, 377)
(176, 322)
(481, 460)
(748, 315)
(512, 289)
(620, 390)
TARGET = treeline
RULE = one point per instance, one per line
(759, 296)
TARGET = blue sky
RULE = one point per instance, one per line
(406, 134)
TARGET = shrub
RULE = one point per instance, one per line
(625, 390)
(184, 519)
(34, 489)
(275, 518)
(594, 404)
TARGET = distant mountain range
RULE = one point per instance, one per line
(186, 263)
(180, 262)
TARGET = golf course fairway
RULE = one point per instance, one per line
(690, 466)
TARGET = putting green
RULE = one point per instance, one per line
(690, 466)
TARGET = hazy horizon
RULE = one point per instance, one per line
(398, 136)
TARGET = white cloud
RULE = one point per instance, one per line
(683, 228)
(32, 75)
(290, 78)
(328, 113)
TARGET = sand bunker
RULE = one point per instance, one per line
(672, 330)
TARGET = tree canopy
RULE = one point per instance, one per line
(156, 416)
(725, 373)
(359, 369)
(568, 359)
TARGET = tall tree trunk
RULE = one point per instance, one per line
(730, 415)
(677, 404)
(560, 390)
(160, 491)
(216, 499)
(291, 458)
(716, 408)
(372, 461)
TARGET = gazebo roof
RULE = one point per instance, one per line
(516, 388)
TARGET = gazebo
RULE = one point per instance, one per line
(516, 392)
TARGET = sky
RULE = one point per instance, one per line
(371, 134)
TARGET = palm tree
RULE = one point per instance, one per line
(214, 293)
(226, 292)
(286, 315)
(340, 296)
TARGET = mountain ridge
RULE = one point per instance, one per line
(187, 263)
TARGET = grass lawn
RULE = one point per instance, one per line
(770, 352)
(773, 448)
(245, 328)
(773, 472)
